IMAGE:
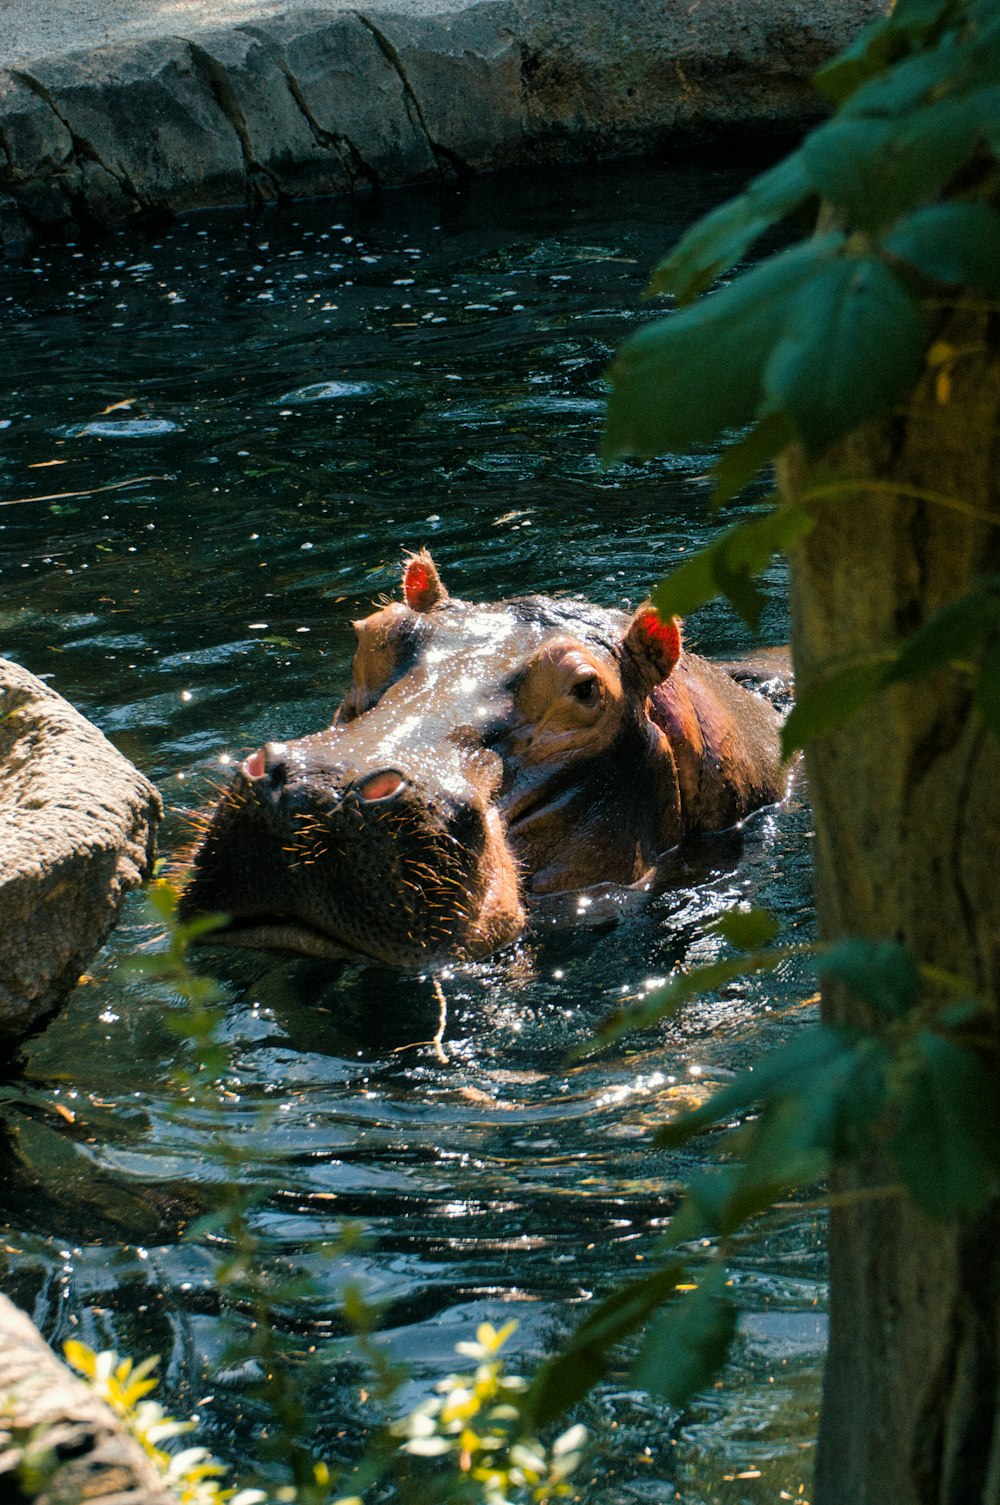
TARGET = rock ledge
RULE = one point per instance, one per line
(331, 98)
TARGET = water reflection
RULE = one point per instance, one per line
(281, 407)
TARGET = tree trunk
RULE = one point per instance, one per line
(907, 814)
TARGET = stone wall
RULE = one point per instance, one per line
(333, 99)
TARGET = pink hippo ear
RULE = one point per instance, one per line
(422, 588)
(653, 645)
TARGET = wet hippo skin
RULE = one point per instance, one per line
(485, 753)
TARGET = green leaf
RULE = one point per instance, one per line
(684, 379)
(787, 1146)
(958, 1015)
(740, 590)
(879, 45)
(991, 122)
(984, 14)
(727, 565)
(947, 1141)
(957, 244)
(706, 1208)
(852, 348)
(917, 17)
(722, 237)
(740, 462)
(584, 1356)
(746, 929)
(828, 1116)
(868, 54)
(791, 1069)
(688, 1343)
(664, 1002)
(689, 586)
(874, 170)
(831, 701)
(909, 81)
(883, 974)
(951, 634)
(986, 690)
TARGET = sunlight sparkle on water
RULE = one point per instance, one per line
(639, 1087)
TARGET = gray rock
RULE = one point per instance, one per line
(465, 79)
(74, 1445)
(284, 154)
(77, 823)
(14, 231)
(321, 99)
(352, 93)
(38, 165)
(497, 82)
(148, 115)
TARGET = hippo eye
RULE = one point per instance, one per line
(586, 691)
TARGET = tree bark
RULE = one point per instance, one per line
(907, 816)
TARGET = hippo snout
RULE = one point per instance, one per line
(271, 772)
(309, 851)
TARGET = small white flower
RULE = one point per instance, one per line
(570, 1441)
(528, 1456)
(181, 1462)
(428, 1447)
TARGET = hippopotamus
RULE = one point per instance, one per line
(485, 754)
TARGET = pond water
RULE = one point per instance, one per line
(215, 443)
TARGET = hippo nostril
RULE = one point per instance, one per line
(382, 786)
(268, 762)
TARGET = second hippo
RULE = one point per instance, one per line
(484, 754)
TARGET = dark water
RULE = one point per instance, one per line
(215, 444)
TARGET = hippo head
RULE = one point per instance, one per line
(484, 753)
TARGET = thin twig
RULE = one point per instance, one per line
(836, 1199)
(893, 489)
(436, 1041)
(61, 496)
(439, 1049)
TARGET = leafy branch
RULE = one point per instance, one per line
(830, 333)
(914, 1082)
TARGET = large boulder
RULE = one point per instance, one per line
(58, 1441)
(77, 823)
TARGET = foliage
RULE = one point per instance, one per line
(961, 636)
(913, 1082)
(476, 1421)
(192, 1475)
(473, 1419)
(194, 1012)
(815, 340)
(833, 332)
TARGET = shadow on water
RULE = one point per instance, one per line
(226, 434)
